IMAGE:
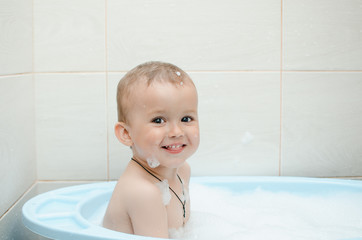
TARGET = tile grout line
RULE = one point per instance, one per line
(281, 90)
(34, 91)
(106, 90)
(190, 71)
(193, 71)
(16, 74)
(80, 181)
(33, 39)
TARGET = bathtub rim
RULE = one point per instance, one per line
(96, 232)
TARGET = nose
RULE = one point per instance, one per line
(175, 130)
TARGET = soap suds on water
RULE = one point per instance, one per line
(220, 214)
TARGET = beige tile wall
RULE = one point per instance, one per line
(71, 131)
(322, 124)
(280, 81)
(322, 35)
(16, 52)
(322, 88)
(240, 130)
(197, 35)
(17, 108)
(69, 36)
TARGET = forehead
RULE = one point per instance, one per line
(144, 85)
(165, 95)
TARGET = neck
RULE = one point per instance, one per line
(160, 172)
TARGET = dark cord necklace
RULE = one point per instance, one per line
(183, 203)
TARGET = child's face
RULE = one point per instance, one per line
(163, 123)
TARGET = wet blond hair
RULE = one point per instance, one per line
(147, 73)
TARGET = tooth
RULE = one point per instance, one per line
(173, 146)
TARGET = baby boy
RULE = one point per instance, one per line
(158, 120)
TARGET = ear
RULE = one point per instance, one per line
(122, 133)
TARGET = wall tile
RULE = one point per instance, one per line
(322, 130)
(322, 35)
(71, 126)
(17, 138)
(69, 35)
(16, 36)
(239, 124)
(196, 35)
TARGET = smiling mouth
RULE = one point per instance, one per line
(174, 147)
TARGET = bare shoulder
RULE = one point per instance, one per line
(145, 208)
(131, 189)
(140, 190)
(136, 207)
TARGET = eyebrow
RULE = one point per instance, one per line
(191, 111)
(156, 112)
(161, 112)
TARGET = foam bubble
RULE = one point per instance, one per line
(247, 138)
(258, 215)
(220, 214)
(153, 162)
(185, 196)
(165, 191)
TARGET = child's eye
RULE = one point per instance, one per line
(158, 120)
(186, 119)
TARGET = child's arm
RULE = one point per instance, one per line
(147, 212)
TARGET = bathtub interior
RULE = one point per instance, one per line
(76, 212)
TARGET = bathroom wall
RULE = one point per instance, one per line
(17, 108)
(279, 82)
(83, 48)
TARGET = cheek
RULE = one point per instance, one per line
(195, 136)
(147, 143)
(145, 138)
(153, 138)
